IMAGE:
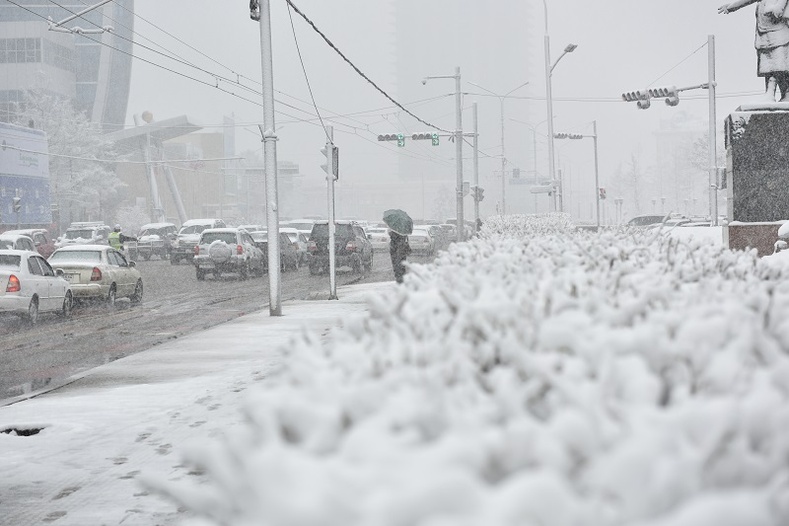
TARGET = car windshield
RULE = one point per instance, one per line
(210, 237)
(10, 261)
(79, 234)
(645, 220)
(151, 232)
(293, 236)
(259, 236)
(76, 256)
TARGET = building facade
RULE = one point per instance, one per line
(93, 71)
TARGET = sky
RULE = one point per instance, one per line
(649, 390)
(622, 45)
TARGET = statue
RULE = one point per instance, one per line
(772, 43)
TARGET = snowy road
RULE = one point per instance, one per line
(175, 304)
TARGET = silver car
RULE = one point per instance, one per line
(99, 273)
(29, 286)
(227, 250)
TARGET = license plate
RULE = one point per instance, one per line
(72, 278)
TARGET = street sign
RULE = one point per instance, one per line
(541, 189)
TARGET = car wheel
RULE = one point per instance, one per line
(32, 311)
(111, 297)
(68, 305)
(136, 298)
(200, 275)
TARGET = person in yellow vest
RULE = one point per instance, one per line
(117, 239)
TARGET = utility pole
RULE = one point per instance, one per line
(330, 152)
(596, 175)
(476, 167)
(712, 125)
(270, 158)
(461, 224)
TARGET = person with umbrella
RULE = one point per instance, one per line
(400, 225)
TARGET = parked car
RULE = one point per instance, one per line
(646, 220)
(45, 245)
(288, 253)
(252, 227)
(155, 239)
(421, 243)
(352, 248)
(85, 233)
(440, 239)
(17, 242)
(222, 250)
(98, 273)
(183, 247)
(30, 286)
(379, 238)
(299, 240)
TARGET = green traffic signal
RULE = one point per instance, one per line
(400, 139)
(435, 139)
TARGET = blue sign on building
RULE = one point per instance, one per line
(24, 174)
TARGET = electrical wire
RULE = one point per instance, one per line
(678, 64)
(357, 70)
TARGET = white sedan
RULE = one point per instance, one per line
(379, 237)
(421, 242)
(98, 272)
(29, 286)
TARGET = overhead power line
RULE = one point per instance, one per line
(359, 71)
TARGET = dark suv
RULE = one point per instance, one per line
(351, 247)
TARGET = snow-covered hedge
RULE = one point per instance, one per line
(533, 376)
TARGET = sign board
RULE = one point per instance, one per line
(541, 189)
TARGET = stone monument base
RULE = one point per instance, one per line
(746, 236)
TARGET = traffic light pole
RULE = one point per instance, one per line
(270, 159)
(330, 198)
(712, 148)
(596, 175)
(461, 224)
(476, 168)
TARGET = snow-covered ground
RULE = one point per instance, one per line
(534, 376)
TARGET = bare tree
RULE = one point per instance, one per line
(83, 182)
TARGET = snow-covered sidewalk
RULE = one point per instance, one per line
(136, 415)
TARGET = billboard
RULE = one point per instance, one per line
(24, 173)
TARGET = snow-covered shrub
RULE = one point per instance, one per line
(535, 375)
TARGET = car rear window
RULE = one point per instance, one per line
(210, 237)
(79, 234)
(322, 231)
(10, 261)
(76, 256)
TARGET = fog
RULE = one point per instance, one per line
(622, 45)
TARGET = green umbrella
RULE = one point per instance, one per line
(399, 221)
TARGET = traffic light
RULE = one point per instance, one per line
(425, 136)
(332, 154)
(602, 193)
(434, 137)
(641, 97)
(477, 193)
(670, 93)
(400, 140)
(17, 204)
(563, 135)
(399, 137)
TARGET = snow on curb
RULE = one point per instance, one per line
(536, 375)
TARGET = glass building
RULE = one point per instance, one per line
(94, 71)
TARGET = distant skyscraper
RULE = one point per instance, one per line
(94, 71)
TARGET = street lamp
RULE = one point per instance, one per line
(503, 158)
(549, 98)
(596, 171)
(461, 225)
